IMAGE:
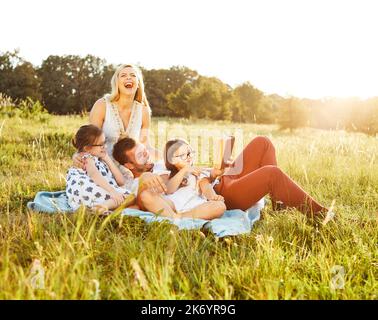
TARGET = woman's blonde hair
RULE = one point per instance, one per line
(140, 95)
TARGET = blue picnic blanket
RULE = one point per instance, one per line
(233, 222)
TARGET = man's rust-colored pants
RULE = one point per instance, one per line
(260, 176)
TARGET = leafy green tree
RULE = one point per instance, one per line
(179, 102)
(268, 109)
(71, 84)
(247, 110)
(211, 99)
(57, 85)
(18, 78)
(160, 83)
(206, 97)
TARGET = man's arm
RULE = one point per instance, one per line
(152, 181)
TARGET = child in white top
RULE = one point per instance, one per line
(189, 189)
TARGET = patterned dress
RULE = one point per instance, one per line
(82, 190)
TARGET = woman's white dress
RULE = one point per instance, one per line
(114, 128)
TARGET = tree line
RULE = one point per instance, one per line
(71, 84)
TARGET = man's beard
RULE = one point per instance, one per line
(148, 167)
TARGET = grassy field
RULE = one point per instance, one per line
(285, 256)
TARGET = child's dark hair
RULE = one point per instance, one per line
(170, 147)
(86, 136)
(121, 147)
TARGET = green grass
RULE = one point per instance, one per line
(284, 257)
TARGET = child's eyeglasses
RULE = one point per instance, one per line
(185, 156)
(97, 145)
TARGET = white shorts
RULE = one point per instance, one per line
(185, 200)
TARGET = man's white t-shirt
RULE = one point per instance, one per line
(160, 169)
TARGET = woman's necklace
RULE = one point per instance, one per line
(122, 132)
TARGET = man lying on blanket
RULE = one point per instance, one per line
(186, 193)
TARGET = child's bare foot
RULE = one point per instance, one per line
(101, 210)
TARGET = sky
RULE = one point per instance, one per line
(305, 48)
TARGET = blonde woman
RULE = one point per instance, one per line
(123, 112)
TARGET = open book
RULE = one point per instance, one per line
(223, 151)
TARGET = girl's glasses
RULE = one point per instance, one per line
(185, 156)
(97, 145)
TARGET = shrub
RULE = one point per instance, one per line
(25, 109)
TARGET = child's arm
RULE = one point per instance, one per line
(174, 183)
(98, 179)
(115, 170)
(208, 191)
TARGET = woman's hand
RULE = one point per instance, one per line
(117, 197)
(78, 160)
